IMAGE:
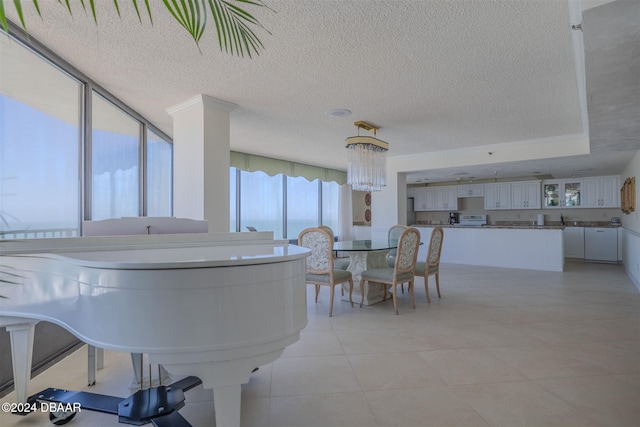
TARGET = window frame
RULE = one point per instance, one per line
(237, 203)
(17, 35)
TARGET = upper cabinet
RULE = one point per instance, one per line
(562, 193)
(470, 190)
(446, 198)
(497, 196)
(594, 192)
(423, 199)
(443, 198)
(601, 192)
(525, 195)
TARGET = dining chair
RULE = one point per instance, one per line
(401, 272)
(320, 268)
(338, 263)
(431, 267)
(393, 234)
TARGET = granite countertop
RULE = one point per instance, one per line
(527, 227)
(524, 226)
(494, 226)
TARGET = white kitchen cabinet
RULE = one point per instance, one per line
(601, 192)
(470, 190)
(497, 196)
(562, 193)
(446, 198)
(525, 195)
(601, 244)
(423, 199)
(574, 242)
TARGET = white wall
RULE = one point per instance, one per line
(632, 220)
(631, 226)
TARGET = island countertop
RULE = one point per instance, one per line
(493, 227)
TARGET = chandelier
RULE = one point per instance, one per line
(367, 169)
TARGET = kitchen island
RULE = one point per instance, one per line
(528, 247)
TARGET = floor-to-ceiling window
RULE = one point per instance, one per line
(159, 176)
(282, 204)
(261, 202)
(39, 146)
(115, 162)
(302, 205)
(330, 203)
(233, 199)
(43, 123)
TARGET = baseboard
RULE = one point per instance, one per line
(635, 280)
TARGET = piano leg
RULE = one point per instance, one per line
(95, 358)
(226, 401)
(91, 368)
(21, 336)
(136, 361)
(100, 358)
(224, 377)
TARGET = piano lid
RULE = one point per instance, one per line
(184, 257)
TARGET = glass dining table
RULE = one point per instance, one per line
(365, 255)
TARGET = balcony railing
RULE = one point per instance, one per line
(39, 233)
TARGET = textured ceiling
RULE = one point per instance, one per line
(433, 75)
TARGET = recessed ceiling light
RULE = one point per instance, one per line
(338, 112)
(461, 173)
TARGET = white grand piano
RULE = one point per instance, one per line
(213, 306)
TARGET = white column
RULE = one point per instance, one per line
(201, 147)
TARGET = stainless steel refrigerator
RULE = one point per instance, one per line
(411, 214)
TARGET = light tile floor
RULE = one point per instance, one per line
(501, 348)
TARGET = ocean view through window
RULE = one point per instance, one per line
(282, 204)
(43, 188)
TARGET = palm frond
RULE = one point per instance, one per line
(66, 2)
(233, 23)
(192, 15)
(20, 13)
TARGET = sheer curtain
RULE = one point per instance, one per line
(345, 216)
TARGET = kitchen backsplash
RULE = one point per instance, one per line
(475, 206)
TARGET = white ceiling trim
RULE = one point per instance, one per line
(201, 100)
(559, 146)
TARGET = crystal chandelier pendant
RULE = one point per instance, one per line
(367, 170)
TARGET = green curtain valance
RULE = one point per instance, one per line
(252, 163)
